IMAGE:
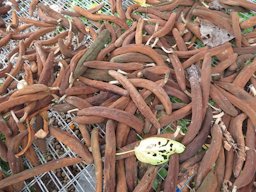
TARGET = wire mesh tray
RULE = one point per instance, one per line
(79, 177)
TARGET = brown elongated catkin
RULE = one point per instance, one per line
(52, 165)
(97, 159)
(136, 97)
(197, 108)
(109, 160)
(249, 168)
(73, 143)
(211, 154)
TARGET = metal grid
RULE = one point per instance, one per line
(79, 177)
(67, 178)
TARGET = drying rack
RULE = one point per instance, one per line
(79, 177)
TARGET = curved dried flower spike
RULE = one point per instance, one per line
(109, 158)
(147, 180)
(241, 3)
(197, 143)
(104, 86)
(211, 155)
(52, 165)
(197, 107)
(146, 50)
(31, 134)
(156, 89)
(246, 108)
(114, 114)
(235, 129)
(206, 80)
(97, 158)
(171, 180)
(236, 28)
(21, 100)
(73, 143)
(249, 169)
(30, 89)
(136, 97)
(222, 101)
(99, 17)
(179, 71)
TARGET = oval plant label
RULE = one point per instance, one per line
(157, 150)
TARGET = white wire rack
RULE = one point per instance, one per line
(67, 178)
(79, 177)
